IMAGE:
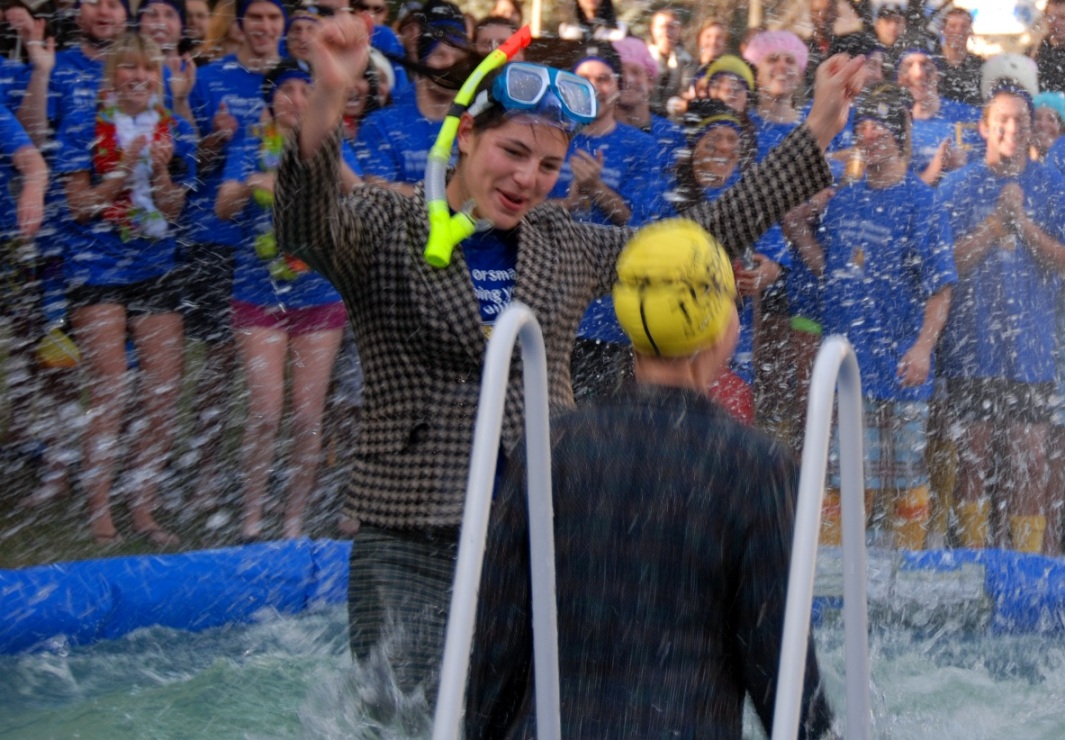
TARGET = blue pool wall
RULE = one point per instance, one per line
(87, 601)
(92, 600)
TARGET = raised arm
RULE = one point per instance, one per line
(307, 215)
(33, 112)
(339, 54)
(794, 171)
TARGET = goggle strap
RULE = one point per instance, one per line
(457, 109)
(478, 106)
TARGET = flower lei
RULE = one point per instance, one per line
(281, 266)
(132, 211)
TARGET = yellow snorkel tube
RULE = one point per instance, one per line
(445, 230)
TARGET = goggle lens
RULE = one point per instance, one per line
(577, 95)
(526, 85)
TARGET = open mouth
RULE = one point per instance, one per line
(510, 202)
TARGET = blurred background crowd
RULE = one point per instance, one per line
(172, 380)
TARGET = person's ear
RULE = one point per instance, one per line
(465, 134)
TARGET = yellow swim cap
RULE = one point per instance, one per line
(675, 289)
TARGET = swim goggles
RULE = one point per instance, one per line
(562, 97)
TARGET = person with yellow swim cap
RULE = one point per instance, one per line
(672, 527)
(675, 296)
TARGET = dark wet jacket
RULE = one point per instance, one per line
(673, 532)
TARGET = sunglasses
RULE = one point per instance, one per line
(374, 9)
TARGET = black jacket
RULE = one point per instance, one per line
(673, 528)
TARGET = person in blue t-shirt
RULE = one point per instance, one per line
(937, 146)
(226, 103)
(638, 74)
(999, 344)
(1048, 124)
(884, 256)
(62, 90)
(70, 80)
(393, 144)
(27, 30)
(286, 317)
(64, 86)
(711, 164)
(126, 171)
(22, 170)
(789, 326)
(163, 21)
(611, 177)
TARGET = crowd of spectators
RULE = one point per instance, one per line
(137, 160)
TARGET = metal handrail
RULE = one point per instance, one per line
(835, 364)
(516, 322)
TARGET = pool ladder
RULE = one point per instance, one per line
(517, 322)
(835, 360)
(836, 368)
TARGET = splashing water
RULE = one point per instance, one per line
(293, 677)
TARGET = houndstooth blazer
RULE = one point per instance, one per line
(419, 329)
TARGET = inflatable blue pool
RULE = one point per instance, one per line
(92, 600)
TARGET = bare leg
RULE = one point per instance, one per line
(1027, 485)
(160, 343)
(211, 410)
(971, 497)
(101, 332)
(313, 356)
(1055, 490)
(804, 351)
(774, 376)
(262, 353)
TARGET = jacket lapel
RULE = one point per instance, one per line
(454, 301)
(537, 285)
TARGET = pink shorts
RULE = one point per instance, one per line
(293, 321)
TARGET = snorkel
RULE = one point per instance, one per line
(445, 230)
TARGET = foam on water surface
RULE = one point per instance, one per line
(290, 676)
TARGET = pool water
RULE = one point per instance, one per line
(291, 677)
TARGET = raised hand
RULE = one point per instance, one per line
(182, 75)
(132, 153)
(339, 52)
(338, 56)
(587, 170)
(838, 81)
(162, 151)
(1011, 202)
(751, 282)
(39, 50)
(223, 123)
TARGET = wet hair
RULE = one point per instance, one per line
(1007, 86)
(495, 115)
(133, 46)
(955, 10)
(888, 105)
(494, 20)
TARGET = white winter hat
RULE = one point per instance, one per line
(1016, 67)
